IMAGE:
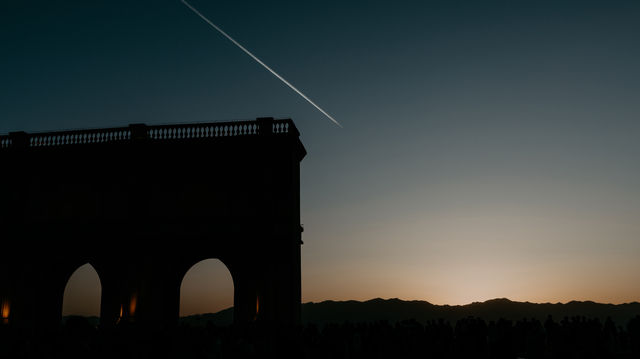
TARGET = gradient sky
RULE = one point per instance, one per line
(490, 149)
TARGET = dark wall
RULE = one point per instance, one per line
(142, 211)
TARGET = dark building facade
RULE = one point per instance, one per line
(142, 204)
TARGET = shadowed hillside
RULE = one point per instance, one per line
(394, 310)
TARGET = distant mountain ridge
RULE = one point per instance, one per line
(393, 310)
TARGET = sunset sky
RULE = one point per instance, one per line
(489, 149)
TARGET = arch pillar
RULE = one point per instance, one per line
(144, 292)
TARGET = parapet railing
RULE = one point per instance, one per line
(261, 126)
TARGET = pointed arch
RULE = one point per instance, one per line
(82, 292)
(207, 287)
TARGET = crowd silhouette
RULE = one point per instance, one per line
(575, 337)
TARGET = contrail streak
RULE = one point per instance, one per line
(259, 61)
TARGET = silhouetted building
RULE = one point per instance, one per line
(142, 204)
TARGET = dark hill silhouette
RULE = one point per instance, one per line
(394, 310)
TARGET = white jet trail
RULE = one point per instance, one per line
(260, 62)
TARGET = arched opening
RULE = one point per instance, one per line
(207, 287)
(82, 294)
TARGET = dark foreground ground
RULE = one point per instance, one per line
(575, 337)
